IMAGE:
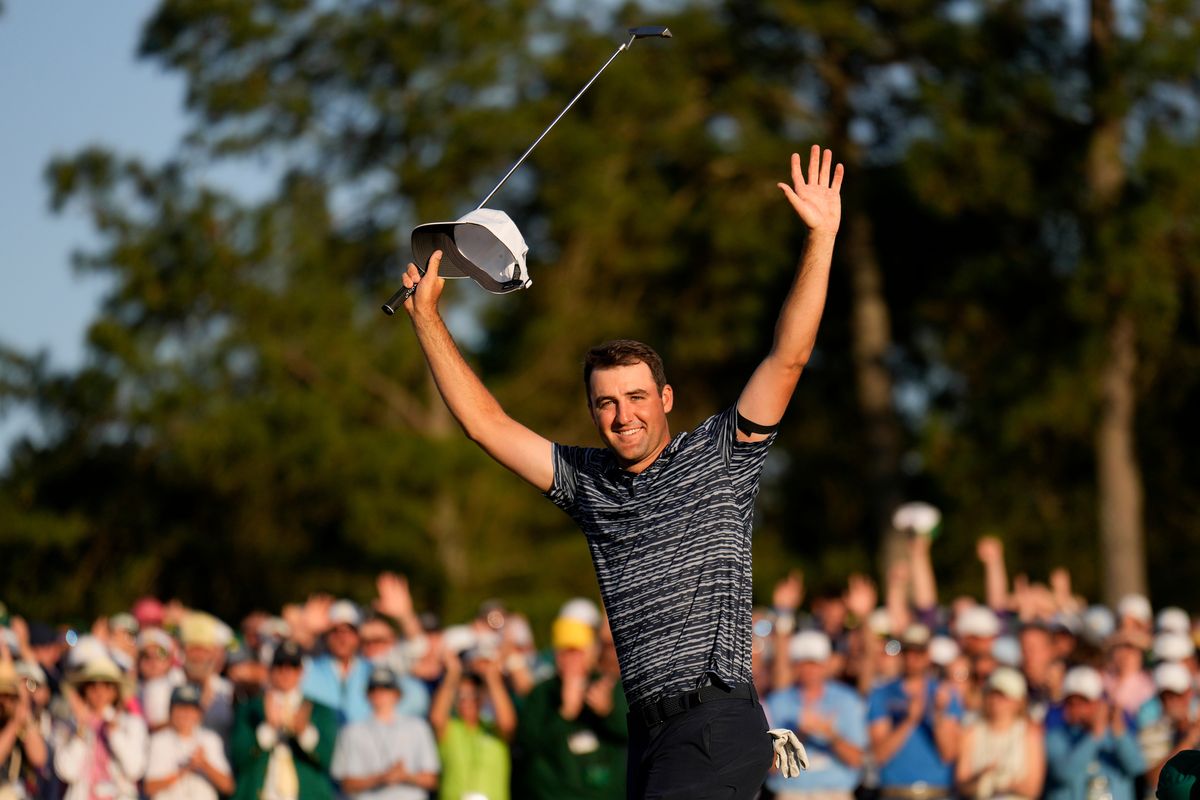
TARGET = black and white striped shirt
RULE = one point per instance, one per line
(671, 547)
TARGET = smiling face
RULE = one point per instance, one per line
(630, 413)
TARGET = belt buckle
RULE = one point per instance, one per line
(650, 715)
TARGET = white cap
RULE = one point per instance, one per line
(87, 649)
(458, 638)
(1007, 650)
(582, 610)
(1083, 681)
(943, 650)
(810, 646)
(1172, 678)
(343, 612)
(1136, 606)
(1173, 647)
(978, 621)
(484, 245)
(1173, 619)
(155, 637)
(920, 518)
(879, 622)
(1008, 682)
(1098, 623)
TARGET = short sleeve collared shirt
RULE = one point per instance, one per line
(671, 548)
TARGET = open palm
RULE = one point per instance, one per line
(817, 198)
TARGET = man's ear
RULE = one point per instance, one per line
(668, 398)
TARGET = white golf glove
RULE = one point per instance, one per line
(790, 755)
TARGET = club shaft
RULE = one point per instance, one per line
(402, 294)
(561, 114)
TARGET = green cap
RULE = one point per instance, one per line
(1177, 781)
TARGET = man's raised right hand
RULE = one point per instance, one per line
(424, 301)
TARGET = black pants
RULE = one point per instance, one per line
(717, 750)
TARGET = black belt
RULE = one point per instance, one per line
(659, 711)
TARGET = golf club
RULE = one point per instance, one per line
(644, 32)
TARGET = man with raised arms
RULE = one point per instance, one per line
(667, 520)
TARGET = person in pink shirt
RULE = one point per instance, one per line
(1126, 683)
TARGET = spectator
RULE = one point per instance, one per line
(390, 756)
(914, 726)
(23, 752)
(1125, 682)
(123, 634)
(571, 729)
(204, 639)
(246, 672)
(828, 716)
(474, 749)
(187, 761)
(1003, 753)
(1171, 721)
(282, 742)
(1042, 671)
(1092, 753)
(1178, 780)
(339, 677)
(102, 751)
(159, 676)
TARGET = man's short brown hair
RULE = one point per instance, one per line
(622, 353)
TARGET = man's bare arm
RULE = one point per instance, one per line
(477, 411)
(817, 200)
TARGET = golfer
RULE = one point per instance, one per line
(667, 520)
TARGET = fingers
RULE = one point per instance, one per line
(797, 171)
(814, 164)
(838, 172)
(826, 166)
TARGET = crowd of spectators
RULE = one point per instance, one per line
(1028, 693)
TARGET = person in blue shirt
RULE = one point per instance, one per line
(339, 677)
(1092, 754)
(914, 726)
(829, 716)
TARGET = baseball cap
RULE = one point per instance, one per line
(810, 646)
(42, 634)
(1098, 623)
(149, 611)
(484, 245)
(343, 612)
(1136, 606)
(123, 621)
(155, 637)
(287, 654)
(915, 637)
(382, 678)
(943, 650)
(187, 694)
(1177, 780)
(1173, 619)
(1007, 650)
(571, 634)
(199, 628)
(582, 609)
(978, 621)
(1172, 678)
(1008, 682)
(1084, 682)
(919, 518)
(1170, 646)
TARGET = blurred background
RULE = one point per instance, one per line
(206, 202)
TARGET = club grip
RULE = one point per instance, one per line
(402, 294)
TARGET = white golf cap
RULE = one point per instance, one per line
(919, 518)
(1173, 647)
(344, 612)
(1173, 619)
(810, 646)
(943, 650)
(1172, 678)
(1136, 606)
(484, 245)
(581, 609)
(1007, 650)
(1008, 682)
(879, 622)
(458, 638)
(1084, 682)
(1098, 623)
(978, 621)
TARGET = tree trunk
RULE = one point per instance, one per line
(1118, 475)
(871, 336)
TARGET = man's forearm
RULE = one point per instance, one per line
(800, 317)
(469, 401)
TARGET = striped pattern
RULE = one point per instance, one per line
(671, 547)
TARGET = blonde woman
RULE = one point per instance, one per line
(1003, 754)
(101, 754)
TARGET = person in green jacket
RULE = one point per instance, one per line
(571, 731)
(282, 744)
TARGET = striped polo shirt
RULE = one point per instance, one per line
(671, 547)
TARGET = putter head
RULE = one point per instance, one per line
(649, 32)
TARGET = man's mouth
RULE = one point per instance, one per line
(628, 433)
